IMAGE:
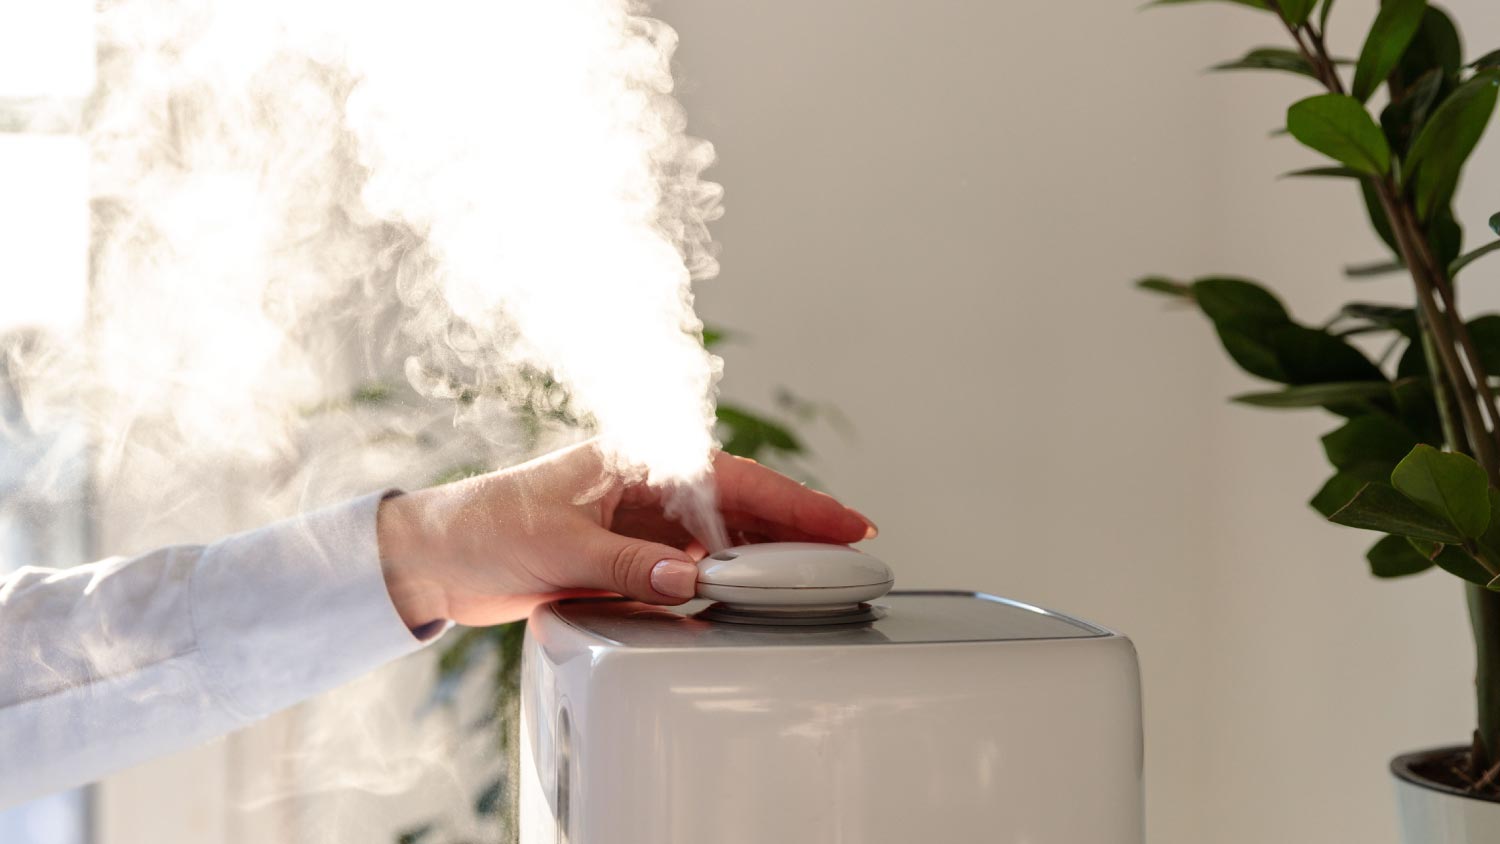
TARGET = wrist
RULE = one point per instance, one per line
(404, 556)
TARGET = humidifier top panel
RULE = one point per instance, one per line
(905, 618)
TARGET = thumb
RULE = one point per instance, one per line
(635, 568)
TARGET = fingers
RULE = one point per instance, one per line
(639, 569)
(756, 492)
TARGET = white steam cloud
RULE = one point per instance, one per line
(494, 203)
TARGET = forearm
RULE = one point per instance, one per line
(106, 665)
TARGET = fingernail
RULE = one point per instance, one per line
(675, 578)
(871, 531)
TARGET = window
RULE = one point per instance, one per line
(46, 69)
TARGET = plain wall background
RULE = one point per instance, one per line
(935, 211)
(934, 214)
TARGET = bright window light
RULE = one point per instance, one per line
(44, 228)
(46, 49)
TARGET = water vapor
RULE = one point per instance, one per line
(488, 205)
(340, 245)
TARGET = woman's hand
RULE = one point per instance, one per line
(486, 550)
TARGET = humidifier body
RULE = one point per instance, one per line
(946, 716)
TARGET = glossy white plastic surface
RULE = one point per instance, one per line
(792, 574)
(1435, 817)
(1033, 741)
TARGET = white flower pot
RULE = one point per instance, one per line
(1434, 813)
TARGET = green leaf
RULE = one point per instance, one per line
(1295, 12)
(1469, 257)
(1336, 492)
(1251, 353)
(415, 835)
(1339, 127)
(752, 435)
(371, 393)
(1270, 58)
(1380, 507)
(1373, 438)
(460, 472)
(1261, 337)
(1457, 561)
(1438, 154)
(1485, 332)
(1399, 317)
(1235, 299)
(488, 801)
(1495, 223)
(1445, 235)
(1413, 363)
(1486, 61)
(1489, 543)
(1254, 4)
(1403, 118)
(1416, 407)
(1394, 556)
(1323, 172)
(1311, 356)
(1389, 36)
(1436, 46)
(1373, 269)
(1448, 485)
(1244, 316)
(1323, 15)
(1378, 219)
(714, 336)
(1165, 286)
(1318, 395)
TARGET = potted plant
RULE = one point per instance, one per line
(1416, 454)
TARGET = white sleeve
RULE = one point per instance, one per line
(106, 665)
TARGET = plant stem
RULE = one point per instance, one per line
(1441, 395)
(1444, 285)
(1440, 323)
(1449, 332)
(1316, 54)
(1484, 616)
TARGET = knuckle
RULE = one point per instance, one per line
(623, 568)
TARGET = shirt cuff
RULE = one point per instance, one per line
(288, 611)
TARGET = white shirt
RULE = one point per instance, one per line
(106, 665)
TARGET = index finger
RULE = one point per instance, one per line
(751, 488)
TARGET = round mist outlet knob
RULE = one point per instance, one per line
(793, 576)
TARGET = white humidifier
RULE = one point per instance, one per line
(799, 703)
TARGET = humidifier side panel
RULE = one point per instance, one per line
(1019, 742)
(556, 671)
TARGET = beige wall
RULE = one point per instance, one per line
(934, 213)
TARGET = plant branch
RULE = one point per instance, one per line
(1470, 388)
(1441, 324)
(1442, 396)
(1444, 286)
(1315, 53)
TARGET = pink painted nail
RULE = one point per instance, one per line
(871, 531)
(675, 578)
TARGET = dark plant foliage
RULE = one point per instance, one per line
(1414, 457)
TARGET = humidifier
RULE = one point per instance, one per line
(800, 701)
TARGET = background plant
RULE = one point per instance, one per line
(1416, 456)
